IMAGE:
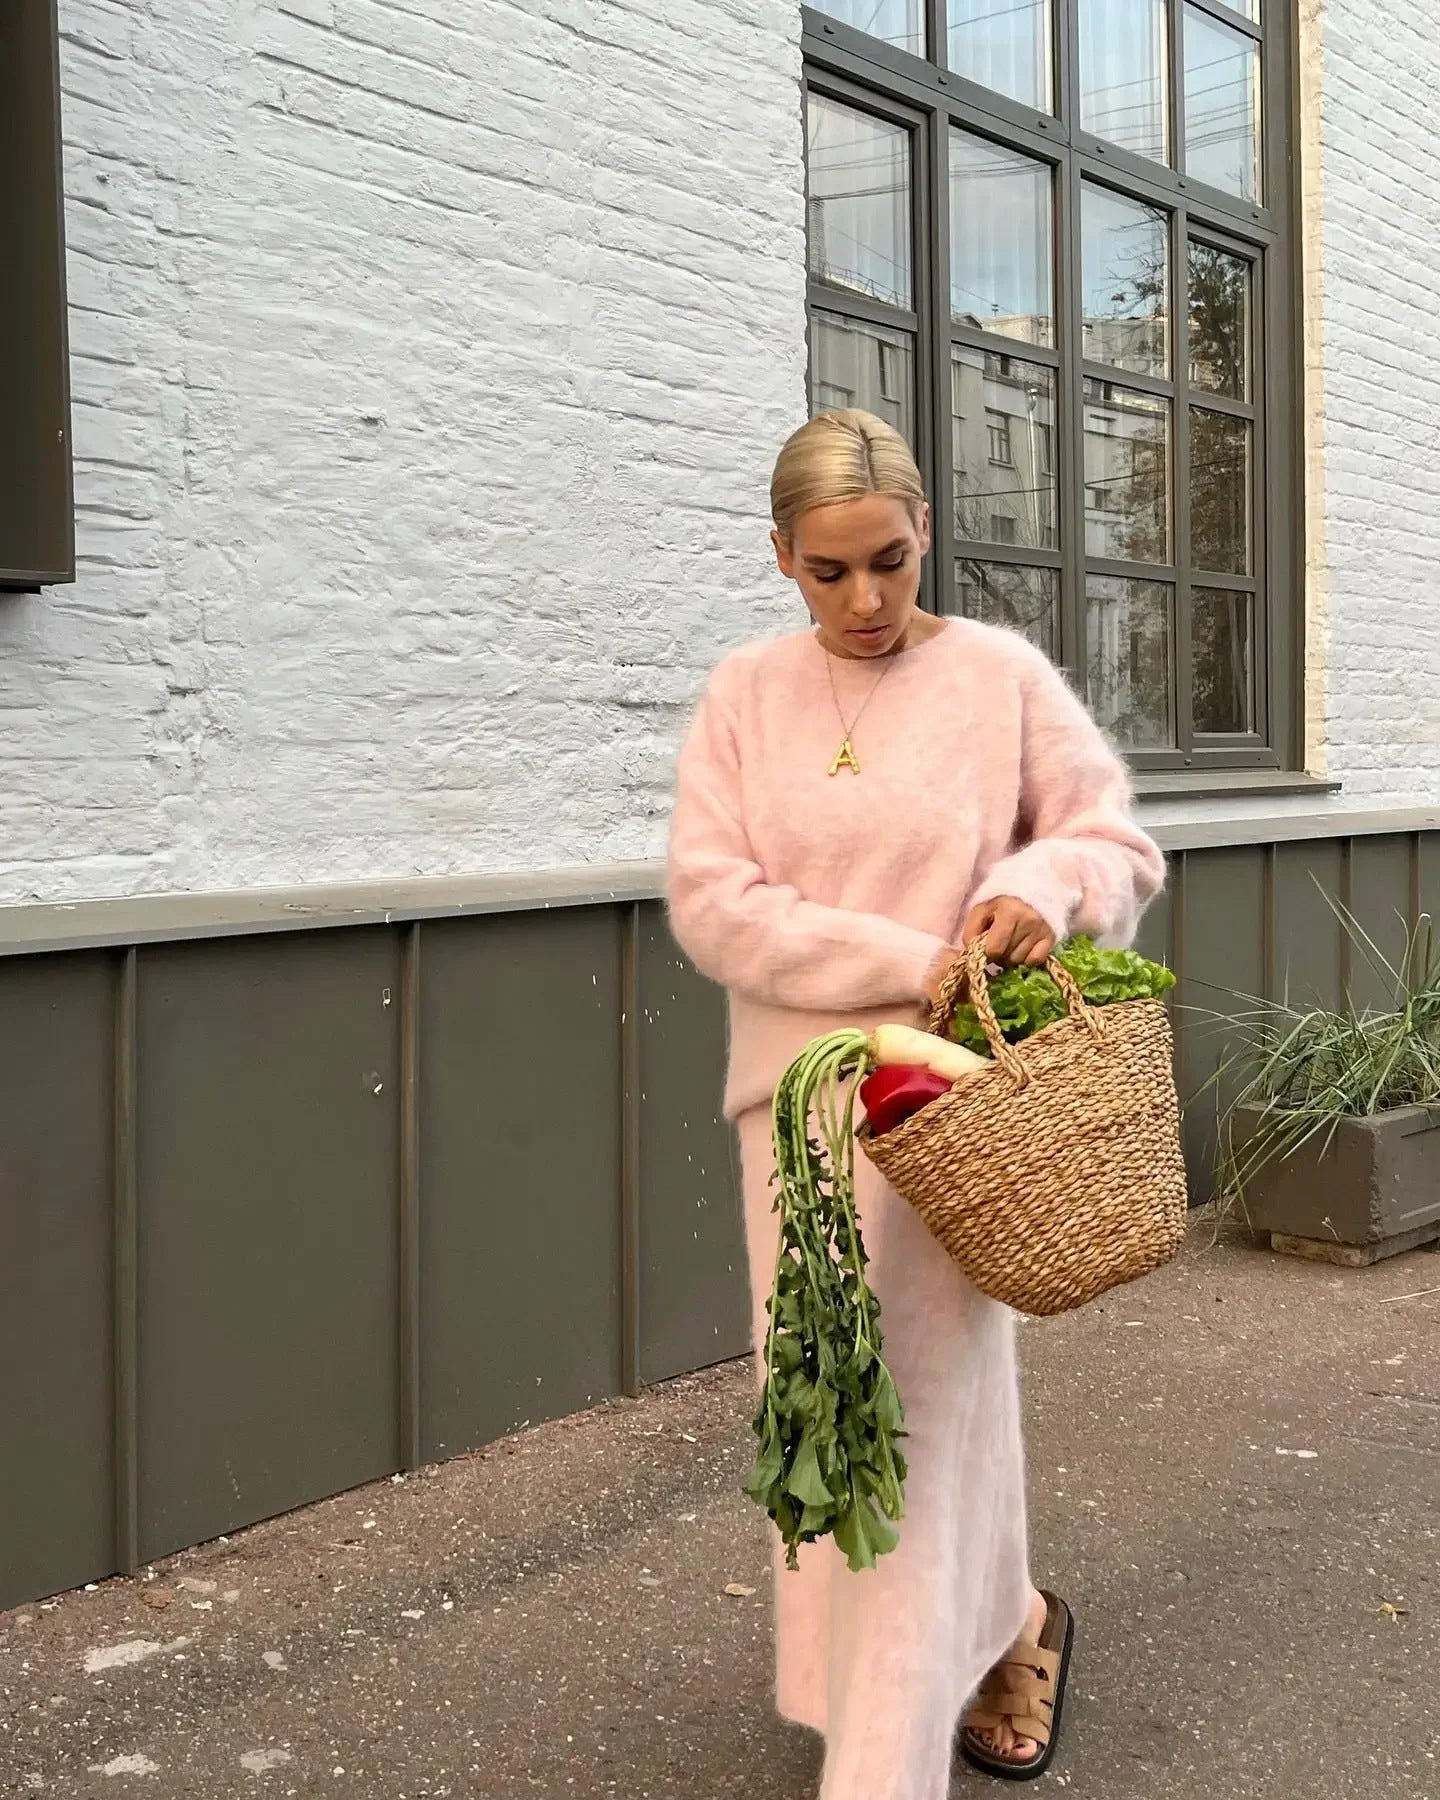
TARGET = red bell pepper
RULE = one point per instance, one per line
(894, 1092)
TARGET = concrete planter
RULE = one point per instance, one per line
(1372, 1192)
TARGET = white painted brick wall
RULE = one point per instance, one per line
(428, 362)
(426, 379)
(1373, 231)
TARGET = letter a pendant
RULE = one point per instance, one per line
(845, 759)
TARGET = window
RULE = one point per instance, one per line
(1053, 243)
(36, 519)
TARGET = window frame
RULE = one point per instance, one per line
(863, 72)
(37, 511)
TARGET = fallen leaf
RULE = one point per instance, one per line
(1393, 1613)
(738, 1591)
(153, 1598)
(648, 1581)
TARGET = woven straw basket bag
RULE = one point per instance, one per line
(1057, 1172)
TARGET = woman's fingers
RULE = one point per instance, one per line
(1014, 933)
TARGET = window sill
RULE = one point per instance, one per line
(1205, 784)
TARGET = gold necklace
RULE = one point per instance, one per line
(845, 757)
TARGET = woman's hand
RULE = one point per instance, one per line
(1014, 933)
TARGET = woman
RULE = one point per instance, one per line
(855, 802)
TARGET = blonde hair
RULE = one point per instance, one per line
(841, 456)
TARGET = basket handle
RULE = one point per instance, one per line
(971, 974)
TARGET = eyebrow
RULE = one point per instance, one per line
(832, 562)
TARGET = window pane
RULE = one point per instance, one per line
(1219, 492)
(1002, 268)
(1219, 322)
(1005, 45)
(859, 210)
(1222, 634)
(1129, 659)
(898, 22)
(1127, 474)
(1125, 268)
(853, 364)
(1002, 413)
(1004, 594)
(1123, 74)
(1222, 105)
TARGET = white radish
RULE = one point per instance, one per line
(903, 1045)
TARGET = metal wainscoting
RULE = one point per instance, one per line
(285, 1210)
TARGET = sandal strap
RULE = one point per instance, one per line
(1024, 1725)
(1020, 1693)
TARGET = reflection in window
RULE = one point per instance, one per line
(1020, 599)
(1129, 660)
(1002, 275)
(859, 202)
(1127, 474)
(1004, 45)
(857, 364)
(1222, 637)
(897, 22)
(1219, 322)
(1124, 74)
(1002, 416)
(1125, 270)
(1219, 491)
(1222, 105)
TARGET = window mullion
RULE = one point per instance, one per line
(1180, 350)
(932, 197)
(1069, 401)
(937, 24)
(1176, 27)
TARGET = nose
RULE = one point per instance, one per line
(867, 599)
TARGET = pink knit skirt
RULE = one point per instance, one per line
(883, 1662)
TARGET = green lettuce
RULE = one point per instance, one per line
(1027, 1000)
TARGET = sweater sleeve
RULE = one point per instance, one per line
(761, 938)
(1084, 864)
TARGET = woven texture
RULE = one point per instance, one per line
(1056, 1173)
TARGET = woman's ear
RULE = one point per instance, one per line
(922, 529)
(784, 555)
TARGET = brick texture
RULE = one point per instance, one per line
(428, 363)
(1372, 226)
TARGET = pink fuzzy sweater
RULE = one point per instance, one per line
(809, 895)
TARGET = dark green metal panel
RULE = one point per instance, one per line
(1382, 897)
(56, 1410)
(1153, 938)
(690, 1231)
(1309, 941)
(1429, 870)
(519, 1171)
(268, 1169)
(1220, 958)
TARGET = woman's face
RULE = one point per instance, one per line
(858, 566)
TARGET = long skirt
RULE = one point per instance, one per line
(883, 1662)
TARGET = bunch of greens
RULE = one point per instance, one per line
(1027, 1000)
(830, 1416)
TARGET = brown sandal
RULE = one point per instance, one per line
(1026, 1692)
